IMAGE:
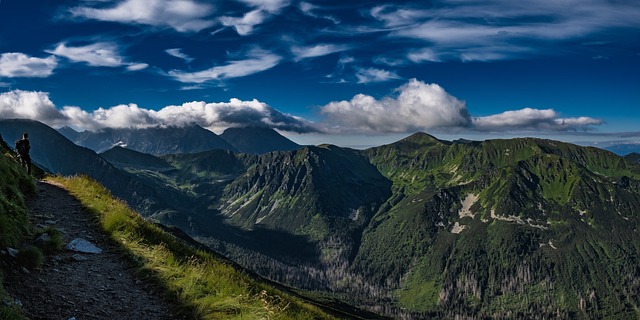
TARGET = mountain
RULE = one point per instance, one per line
(126, 158)
(633, 157)
(257, 140)
(69, 133)
(56, 154)
(506, 228)
(420, 228)
(624, 148)
(155, 141)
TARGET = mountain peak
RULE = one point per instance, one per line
(257, 140)
(423, 139)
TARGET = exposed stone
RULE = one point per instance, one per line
(12, 252)
(78, 257)
(43, 238)
(82, 245)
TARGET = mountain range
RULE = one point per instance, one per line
(188, 139)
(420, 228)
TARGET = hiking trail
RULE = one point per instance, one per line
(72, 285)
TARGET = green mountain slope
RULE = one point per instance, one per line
(421, 228)
(504, 228)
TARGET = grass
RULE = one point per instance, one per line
(205, 287)
(30, 257)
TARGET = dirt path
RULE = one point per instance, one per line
(103, 286)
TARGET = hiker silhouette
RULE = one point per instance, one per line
(23, 147)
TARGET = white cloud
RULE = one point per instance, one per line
(99, 54)
(215, 116)
(137, 66)
(272, 6)
(256, 61)
(428, 107)
(528, 118)
(245, 25)
(18, 104)
(181, 15)
(503, 29)
(310, 10)
(262, 10)
(177, 52)
(369, 75)
(317, 50)
(16, 64)
(422, 55)
(419, 106)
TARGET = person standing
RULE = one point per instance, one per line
(23, 147)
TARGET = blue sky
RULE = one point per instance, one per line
(354, 73)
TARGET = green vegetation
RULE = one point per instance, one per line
(508, 228)
(552, 233)
(207, 287)
(30, 257)
(14, 222)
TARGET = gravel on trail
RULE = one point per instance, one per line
(81, 285)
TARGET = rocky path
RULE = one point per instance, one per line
(80, 286)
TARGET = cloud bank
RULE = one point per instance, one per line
(415, 106)
(428, 107)
(502, 29)
(216, 116)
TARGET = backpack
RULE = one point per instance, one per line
(22, 146)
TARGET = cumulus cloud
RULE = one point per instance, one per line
(528, 118)
(423, 107)
(31, 105)
(16, 64)
(180, 15)
(316, 50)
(177, 52)
(257, 60)
(216, 116)
(418, 106)
(99, 54)
(368, 75)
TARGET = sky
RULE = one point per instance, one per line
(351, 73)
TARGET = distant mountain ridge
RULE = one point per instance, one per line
(624, 148)
(155, 141)
(257, 140)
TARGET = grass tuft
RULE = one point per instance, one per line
(30, 257)
(55, 241)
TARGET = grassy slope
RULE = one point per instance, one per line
(14, 222)
(500, 268)
(207, 287)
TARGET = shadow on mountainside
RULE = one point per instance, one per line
(82, 285)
